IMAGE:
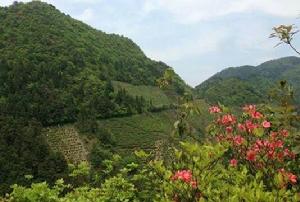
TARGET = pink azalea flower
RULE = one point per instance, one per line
(256, 115)
(185, 175)
(241, 127)
(249, 108)
(238, 140)
(229, 129)
(292, 178)
(284, 133)
(194, 184)
(228, 119)
(250, 126)
(266, 124)
(233, 162)
(251, 155)
(279, 144)
(214, 109)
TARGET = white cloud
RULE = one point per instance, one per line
(9, 2)
(86, 16)
(192, 11)
(191, 47)
(87, 1)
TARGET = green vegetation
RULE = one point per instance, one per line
(248, 158)
(55, 70)
(67, 141)
(154, 94)
(124, 134)
(246, 84)
(140, 131)
(24, 152)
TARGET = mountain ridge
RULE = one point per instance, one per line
(239, 85)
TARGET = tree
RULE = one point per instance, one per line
(285, 33)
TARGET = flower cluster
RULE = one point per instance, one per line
(227, 120)
(214, 109)
(254, 140)
(287, 177)
(185, 176)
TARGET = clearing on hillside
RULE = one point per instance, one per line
(153, 93)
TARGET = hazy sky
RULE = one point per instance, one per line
(196, 37)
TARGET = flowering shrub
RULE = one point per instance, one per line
(254, 141)
(185, 176)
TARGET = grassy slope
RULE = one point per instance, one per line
(140, 131)
(153, 93)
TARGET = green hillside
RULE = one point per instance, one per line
(56, 69)
(141, 131)
(249, 84)
(58, 74)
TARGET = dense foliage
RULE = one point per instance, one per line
(249, 156)
(55, 70)
(249, 84)
(253, 162)
(25, 152)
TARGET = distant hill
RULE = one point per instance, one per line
(250, 84)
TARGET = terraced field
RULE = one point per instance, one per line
(66, 139)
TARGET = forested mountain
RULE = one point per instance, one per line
(250, 84)
(53, 67)
(56, 70)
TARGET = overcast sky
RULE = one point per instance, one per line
(196, 37)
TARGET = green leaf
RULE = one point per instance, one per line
(259, 132)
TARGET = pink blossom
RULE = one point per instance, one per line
(185, 175)
(228, 119)
(271, 154)
(250, 125)
(251, 155)
(214, 109)
(266, 124)
(193, 184)
(241, 127)
(284, 133)
(292, 178)
(233, 162)
(256, 115)
(238, 140)
(279, 144)
(273, 135)
(229, 129)
(249, 108)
